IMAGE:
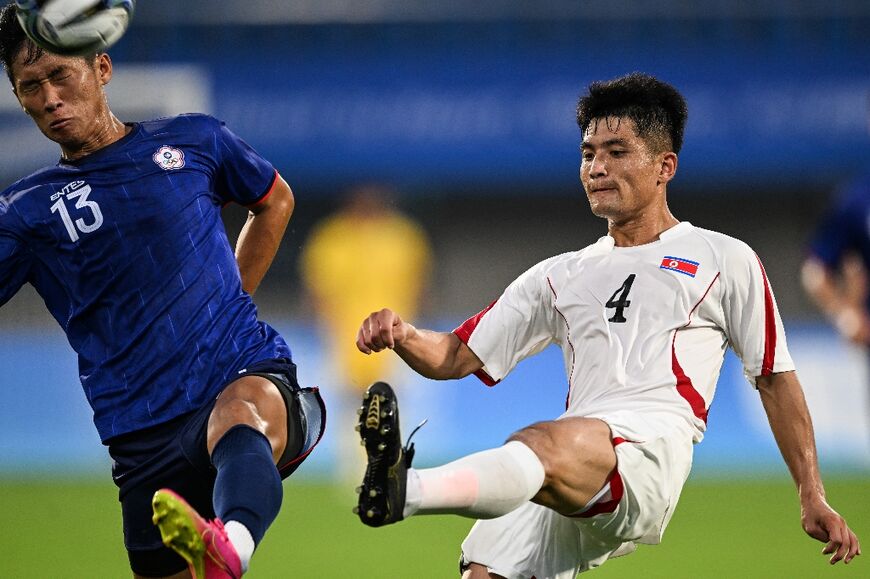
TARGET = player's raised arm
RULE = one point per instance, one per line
(435, 355)
(261, 235)
(789, 418)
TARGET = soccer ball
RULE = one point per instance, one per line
(74, 27)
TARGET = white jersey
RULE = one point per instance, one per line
(641, 328)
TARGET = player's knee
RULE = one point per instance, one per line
(577, 457)
(252, 400)
(233, 411)
(541, 438)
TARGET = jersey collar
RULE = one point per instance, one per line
(108, 149)
(606, 243)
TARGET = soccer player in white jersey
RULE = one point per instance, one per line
(643, 317)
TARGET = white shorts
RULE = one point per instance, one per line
(654, 456)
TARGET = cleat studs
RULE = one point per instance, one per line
(358, 489)
(357, 427)
(360, 411)
(385, 430)
(381, 398)
(382, 446)
(356, 510)
(362, 442)
(373, 493)
(370, 513)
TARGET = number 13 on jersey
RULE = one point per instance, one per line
(79, 192)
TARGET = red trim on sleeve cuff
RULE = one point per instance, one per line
(486, 378)
(481, 374)
(464, 331)
(267, 193)
(466, 328)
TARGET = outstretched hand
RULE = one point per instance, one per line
(824, 524)
(382, 330)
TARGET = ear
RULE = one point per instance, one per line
(104, 68)
(667, 167)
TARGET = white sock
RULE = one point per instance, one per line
(242, 540)
(483, 485)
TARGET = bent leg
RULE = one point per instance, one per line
(578, 458)
(247, 433)
(253, 401)
(482, 485)
(559, 464)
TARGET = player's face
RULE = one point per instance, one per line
(621, 176)
(64, 96)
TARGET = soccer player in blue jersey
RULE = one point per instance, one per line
(835, 271)
(192, 395)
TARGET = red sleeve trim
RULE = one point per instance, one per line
(268, 192)
(769, 326)
(464, 331)
(467, 327)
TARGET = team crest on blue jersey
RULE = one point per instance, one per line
(169, 158)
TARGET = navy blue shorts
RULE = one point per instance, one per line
(174, 455)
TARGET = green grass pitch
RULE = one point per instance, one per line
(720, 529)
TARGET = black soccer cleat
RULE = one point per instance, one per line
(382, 494)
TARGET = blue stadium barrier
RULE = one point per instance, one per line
(45, 424)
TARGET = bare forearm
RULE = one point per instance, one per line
(261, 236)
(435, 355)
(792, 428)
(255, 250)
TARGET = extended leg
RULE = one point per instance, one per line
(559, 464)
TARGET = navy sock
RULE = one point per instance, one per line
(248, 487)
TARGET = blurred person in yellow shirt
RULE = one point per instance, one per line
(364, 256)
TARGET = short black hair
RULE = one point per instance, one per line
(13, 39)
(658, 110)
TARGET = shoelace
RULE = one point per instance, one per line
(409, 446)
(407, 453)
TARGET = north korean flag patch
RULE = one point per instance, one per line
(678, 264)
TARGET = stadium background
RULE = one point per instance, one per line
(467, 108)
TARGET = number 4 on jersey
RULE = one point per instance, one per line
(620, 301)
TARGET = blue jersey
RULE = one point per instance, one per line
(846, 228)
(128, 250)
